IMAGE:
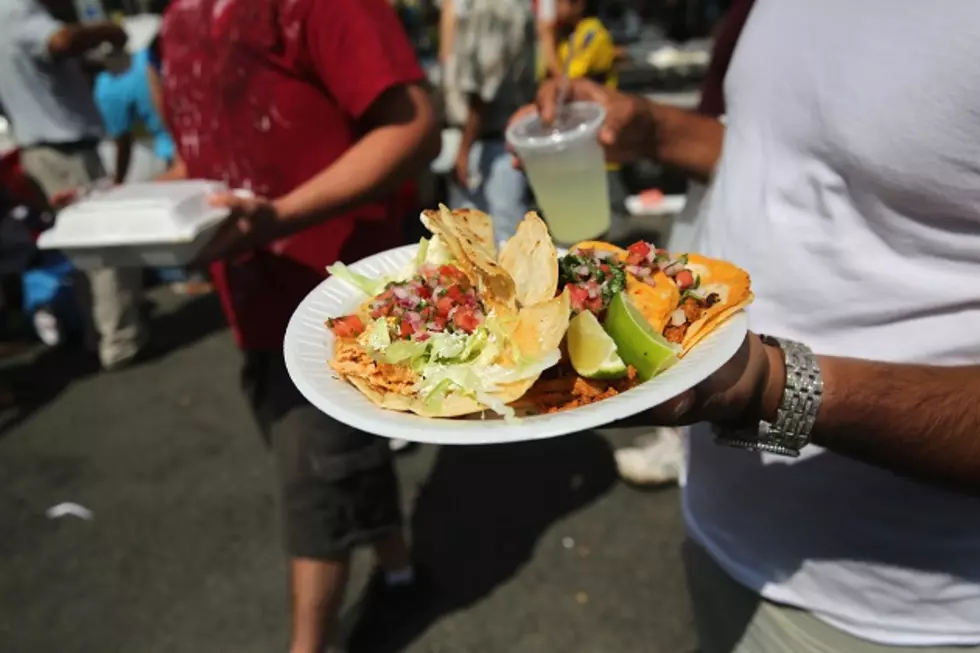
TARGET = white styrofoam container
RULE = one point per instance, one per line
(152, 224)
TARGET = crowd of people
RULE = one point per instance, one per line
(846, 189)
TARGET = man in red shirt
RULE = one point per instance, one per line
(317, 108)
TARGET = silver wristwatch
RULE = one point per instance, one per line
(797, 410)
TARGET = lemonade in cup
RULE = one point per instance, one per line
(567, 170)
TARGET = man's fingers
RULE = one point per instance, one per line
(673, 412)
(546, 100)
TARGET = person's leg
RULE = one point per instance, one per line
(504, 188)
(114, 294)
(460, 197)
(338, 490)
(730, 618)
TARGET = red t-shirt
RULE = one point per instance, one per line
(263, 95)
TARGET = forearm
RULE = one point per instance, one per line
(447, 30)
(78, 39)
(176, 172)
(549, 47)
(374, 167)
(918, 421)
(685, 140)
(473, 125)
(124, 153)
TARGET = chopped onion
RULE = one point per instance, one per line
(650, 281)
(593, 292)
(651, 255)
(583, 271)
(643, 273)
(400, 292)
(633, 269)
(677, 318)
(602, 255)
(673, 268)
(413, 318)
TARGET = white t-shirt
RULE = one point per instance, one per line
(849, 187)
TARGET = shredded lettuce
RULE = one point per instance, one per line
(433, 252)
(481, 381)
(377, 337)
(365, 284)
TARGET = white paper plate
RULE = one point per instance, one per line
(308, 349)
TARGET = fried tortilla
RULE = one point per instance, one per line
(729, 282)
(520, 290)
(531, 259)
(656, 302)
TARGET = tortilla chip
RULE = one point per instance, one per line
(531, 260)
(541, 328)
(730, 282)
(474, 254)
(480, 224)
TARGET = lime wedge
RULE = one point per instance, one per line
(592, 351)
(636, 341)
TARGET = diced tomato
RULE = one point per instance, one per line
(454, 293)
(466, 319)
(605, 268)
(424, 292)
(439, 322)
(578, 296)
(349, 326)
(444, 305)
(684, 279)
(639, 247)
(405, 329)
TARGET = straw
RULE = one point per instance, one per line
(563, 82)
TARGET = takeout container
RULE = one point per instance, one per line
(153, 224)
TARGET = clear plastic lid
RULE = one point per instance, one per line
(134, 214)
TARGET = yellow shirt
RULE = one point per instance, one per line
(595, 53)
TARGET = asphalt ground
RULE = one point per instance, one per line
(537, 546)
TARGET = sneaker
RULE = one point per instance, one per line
(654, 460)
(385, 613)
(397, 444)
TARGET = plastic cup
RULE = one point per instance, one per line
(567, 170)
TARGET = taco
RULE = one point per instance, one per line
(684, 297)
(457, 331)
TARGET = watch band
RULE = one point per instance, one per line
(797, 411)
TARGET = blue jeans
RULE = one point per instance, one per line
(501, 191)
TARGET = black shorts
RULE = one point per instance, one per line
(338, 486)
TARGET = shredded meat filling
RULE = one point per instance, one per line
(562, 389)
(351, 360)
(693, 309)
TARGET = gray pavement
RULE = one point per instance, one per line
(538, 546)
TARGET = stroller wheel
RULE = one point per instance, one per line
(48, 327)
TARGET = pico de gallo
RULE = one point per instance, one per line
(438, 299)
(644, 259)
(593, 278)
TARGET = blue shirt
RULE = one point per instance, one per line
(125, 98)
